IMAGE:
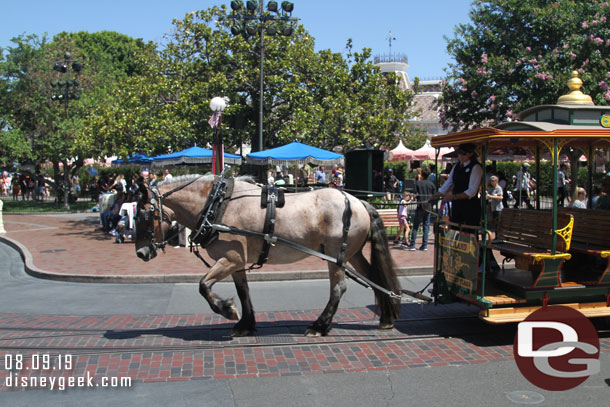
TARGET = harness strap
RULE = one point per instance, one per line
(353, 274)
(347, 219)
(269, 226)
(212, 212)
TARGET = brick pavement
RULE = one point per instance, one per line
(72, 247)
(190, 347)
(167, 348)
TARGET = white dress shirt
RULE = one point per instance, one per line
(473, 183)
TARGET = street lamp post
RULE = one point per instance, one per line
(252, 20)
(63, 91)
(217, 105)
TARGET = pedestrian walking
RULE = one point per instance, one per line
(424, 190)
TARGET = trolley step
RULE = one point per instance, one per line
(518, 314)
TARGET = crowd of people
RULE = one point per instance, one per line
(118, 199)
(459, 195)
(24, 186)
(305, 176)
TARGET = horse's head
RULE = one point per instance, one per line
(152, 223)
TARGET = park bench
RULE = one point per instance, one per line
(390, 221)
(590, 244)
(389, 217)
(526, 237)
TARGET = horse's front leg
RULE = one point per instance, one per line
(225, 307)
(337, 287)
(246, 325)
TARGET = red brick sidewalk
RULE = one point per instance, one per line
(186, 347)
(72, 247)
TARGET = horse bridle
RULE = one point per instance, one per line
(157, 202)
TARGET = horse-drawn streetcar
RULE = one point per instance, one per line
(559, 257)
(549, 256)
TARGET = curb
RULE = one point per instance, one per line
(255, 276)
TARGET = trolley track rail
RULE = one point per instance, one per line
(291, 336)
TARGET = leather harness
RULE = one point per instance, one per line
(212, 212)
(209, 226)
(271, 198)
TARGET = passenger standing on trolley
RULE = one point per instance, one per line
(462, 187)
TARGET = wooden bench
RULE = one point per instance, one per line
(389, 217)
(590, 245)
(526, 236)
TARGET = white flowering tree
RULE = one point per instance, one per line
(517, 54)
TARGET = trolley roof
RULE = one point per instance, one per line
(575, 122)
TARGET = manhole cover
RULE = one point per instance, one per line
(270, 339)
(525, 397)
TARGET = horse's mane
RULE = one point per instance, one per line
(188, 177)
(181, 179)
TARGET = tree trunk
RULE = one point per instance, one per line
(66, 186)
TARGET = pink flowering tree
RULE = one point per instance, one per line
(514, 55)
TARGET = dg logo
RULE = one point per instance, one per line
(557, 348)
(605, 121)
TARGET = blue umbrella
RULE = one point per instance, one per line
(293, 154)
(136, 159)
(193, 155)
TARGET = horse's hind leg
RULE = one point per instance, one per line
(223, 268)
(246, 324)
(337, 287)
(362, 266)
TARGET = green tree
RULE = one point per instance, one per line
(514, 55)
(52, 132)
(317, 97)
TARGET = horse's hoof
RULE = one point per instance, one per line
(229, 310)
(312, 333)
(239, 332)
(317, 330)
(233, 313)
(386, 325)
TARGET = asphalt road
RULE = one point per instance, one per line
(21, 293)
(486, 384)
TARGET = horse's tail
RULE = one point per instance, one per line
(382, 271)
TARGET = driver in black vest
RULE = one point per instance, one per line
(462, 187)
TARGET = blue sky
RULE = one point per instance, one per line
(417, 25)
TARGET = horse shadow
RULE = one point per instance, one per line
(281, 331)
(210, 333)
(416, 321)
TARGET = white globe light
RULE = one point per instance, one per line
(218, 104)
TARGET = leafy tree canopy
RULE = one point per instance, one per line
(514, 55)
(317, 97)
(35, 127)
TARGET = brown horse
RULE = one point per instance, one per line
(313, 219)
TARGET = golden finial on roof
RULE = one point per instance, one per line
(575, 97)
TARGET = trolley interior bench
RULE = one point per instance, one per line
(591, 243)
(526, 237)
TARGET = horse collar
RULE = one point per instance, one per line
(212, 212)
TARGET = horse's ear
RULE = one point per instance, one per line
(142, 189)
